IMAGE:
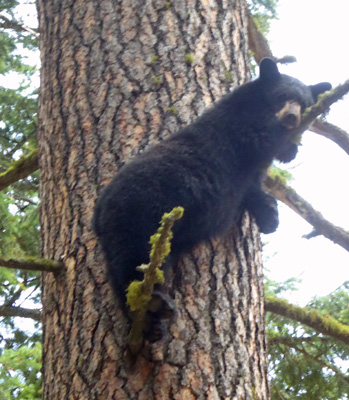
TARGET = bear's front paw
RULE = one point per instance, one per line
(269, 221)
(288, 153)
(161, 308)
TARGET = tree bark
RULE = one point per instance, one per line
(118, 76)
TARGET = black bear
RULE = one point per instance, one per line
(213, 168)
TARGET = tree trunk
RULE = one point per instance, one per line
(118, 76)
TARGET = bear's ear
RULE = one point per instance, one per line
(268, 70)
(319, 88)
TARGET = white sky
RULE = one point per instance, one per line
(316, 33)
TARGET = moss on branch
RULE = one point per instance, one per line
(323, 104)
(33, 264)
(312, 318)
(139, 293)
(19, 169)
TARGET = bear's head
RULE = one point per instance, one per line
(288, 98)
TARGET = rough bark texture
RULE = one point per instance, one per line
(116, 77)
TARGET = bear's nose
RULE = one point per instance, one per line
(290, 120)
(290, 115)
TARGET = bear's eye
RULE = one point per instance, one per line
(281, 98)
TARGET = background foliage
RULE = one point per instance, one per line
(20, 349)
(305, 364)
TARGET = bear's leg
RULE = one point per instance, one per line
(264, 209)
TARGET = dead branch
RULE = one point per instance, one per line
(16, 26)
(259, 46)
(312, 318)
(33, 264)
(288, 196)
(257, 42)
(332, 132)
(10, 311)
(19, 170)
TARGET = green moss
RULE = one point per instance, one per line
(306, 112)
(280, 175)
(173, 110)
(228, 77)
(189, 59)
(154, 59)
(33, 264)
(167, 4)
(139, 292)
(21, 162)
(136, 298)
(160, 278)
(158, 79)
(312, 318)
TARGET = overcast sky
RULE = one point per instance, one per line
(316, 33)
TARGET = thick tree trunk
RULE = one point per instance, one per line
(116, 77)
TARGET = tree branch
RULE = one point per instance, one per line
(257, 42)
(312, 318)
(14, 298)
(20, 169)
(288, 196)
(10, 311)
(16, 26)
(323, 104)
(332, 132)
(139, 293)
(33, 264)
(294, 341)
(259, 46)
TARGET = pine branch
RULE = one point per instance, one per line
(10, 311)
(325, 364)
(332, 132)
(287, 195)
(312, 318)
(295, 341)
(139, 293)
(14, 298)
(20, 169)
(298, 346)
(33, 264)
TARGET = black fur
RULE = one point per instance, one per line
(213, 168)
